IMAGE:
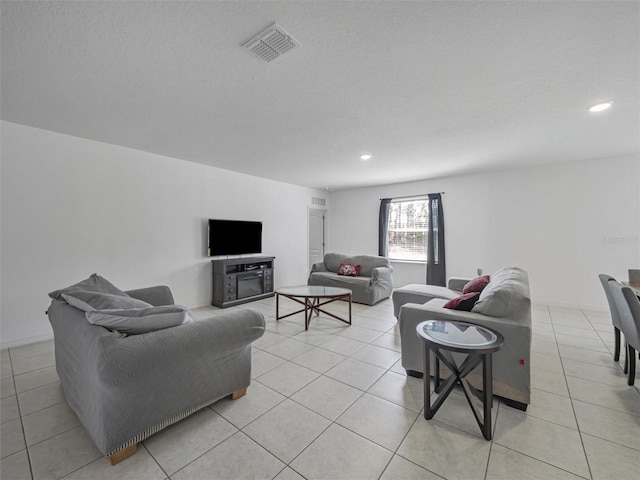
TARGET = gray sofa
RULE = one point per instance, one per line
(504, 305)
(126, 388)
(373, 283)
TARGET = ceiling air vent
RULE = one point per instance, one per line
(271, 43)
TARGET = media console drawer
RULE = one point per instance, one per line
(242, 280)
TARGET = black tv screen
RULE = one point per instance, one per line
(234, 237)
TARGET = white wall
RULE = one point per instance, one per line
(72, 207)
(564, 224)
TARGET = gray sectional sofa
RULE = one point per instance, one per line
(125, 388)
(504, 305)
(373, 283)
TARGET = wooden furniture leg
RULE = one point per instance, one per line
(123, 454)
(130, 450)
(238, 393)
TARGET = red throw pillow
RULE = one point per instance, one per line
(349, 270)
(463, 302)
(476, 285)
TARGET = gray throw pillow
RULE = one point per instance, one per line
(140, 320)
(87, 301)
(506, 295)
(95, 283)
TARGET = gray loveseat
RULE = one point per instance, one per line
(373, 283)
(504, 305)
(126, 388)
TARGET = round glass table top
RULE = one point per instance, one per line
(313, 291)
(458, 334)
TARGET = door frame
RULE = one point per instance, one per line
(325, 229)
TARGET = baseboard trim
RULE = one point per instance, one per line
(26, 341)
(541, 303)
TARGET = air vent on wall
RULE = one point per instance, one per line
(271, 43)
(318, 201)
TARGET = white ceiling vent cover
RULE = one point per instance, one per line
(271, 43)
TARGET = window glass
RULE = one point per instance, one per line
(408, 230)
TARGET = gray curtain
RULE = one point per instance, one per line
(383, 226)
(436, 272)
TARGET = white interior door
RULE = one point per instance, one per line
(316, 235)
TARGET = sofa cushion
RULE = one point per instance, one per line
(464, 302)
(507, 295)
(476, 285)
(87, 301)
(420, 293)
(348, 269)
(331, 279)
(95, 283)
(367, 263)
(333, 260)
(140, 320)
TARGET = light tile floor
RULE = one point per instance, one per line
(334, 402)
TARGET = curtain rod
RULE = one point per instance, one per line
(414, 196)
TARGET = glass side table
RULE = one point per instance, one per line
(446, 337)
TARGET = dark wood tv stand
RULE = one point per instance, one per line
(242, 280)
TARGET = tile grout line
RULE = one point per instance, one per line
(575, 416)
(493, 434)
(156, 461)
(542, 461)
(24, 434)
(362, 393)
(553, 423)
(332, 422)
(387, 370)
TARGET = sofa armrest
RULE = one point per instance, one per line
(156, 296)
(180, 358)
(319, 267)
(457, 283)
(432, 310)
(211, 337)
(93, 353)
(382, 276)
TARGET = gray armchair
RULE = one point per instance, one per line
(126, 388)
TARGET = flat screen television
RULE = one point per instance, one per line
(234, 237)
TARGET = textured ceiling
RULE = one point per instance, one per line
(429, 88)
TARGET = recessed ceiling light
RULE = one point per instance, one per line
(365, 156)
(600, 107)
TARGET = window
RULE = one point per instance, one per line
(407, 229)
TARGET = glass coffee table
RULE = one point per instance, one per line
(446, 337)
(313, 297)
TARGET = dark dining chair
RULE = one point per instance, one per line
(628, 306)
(615, 317)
